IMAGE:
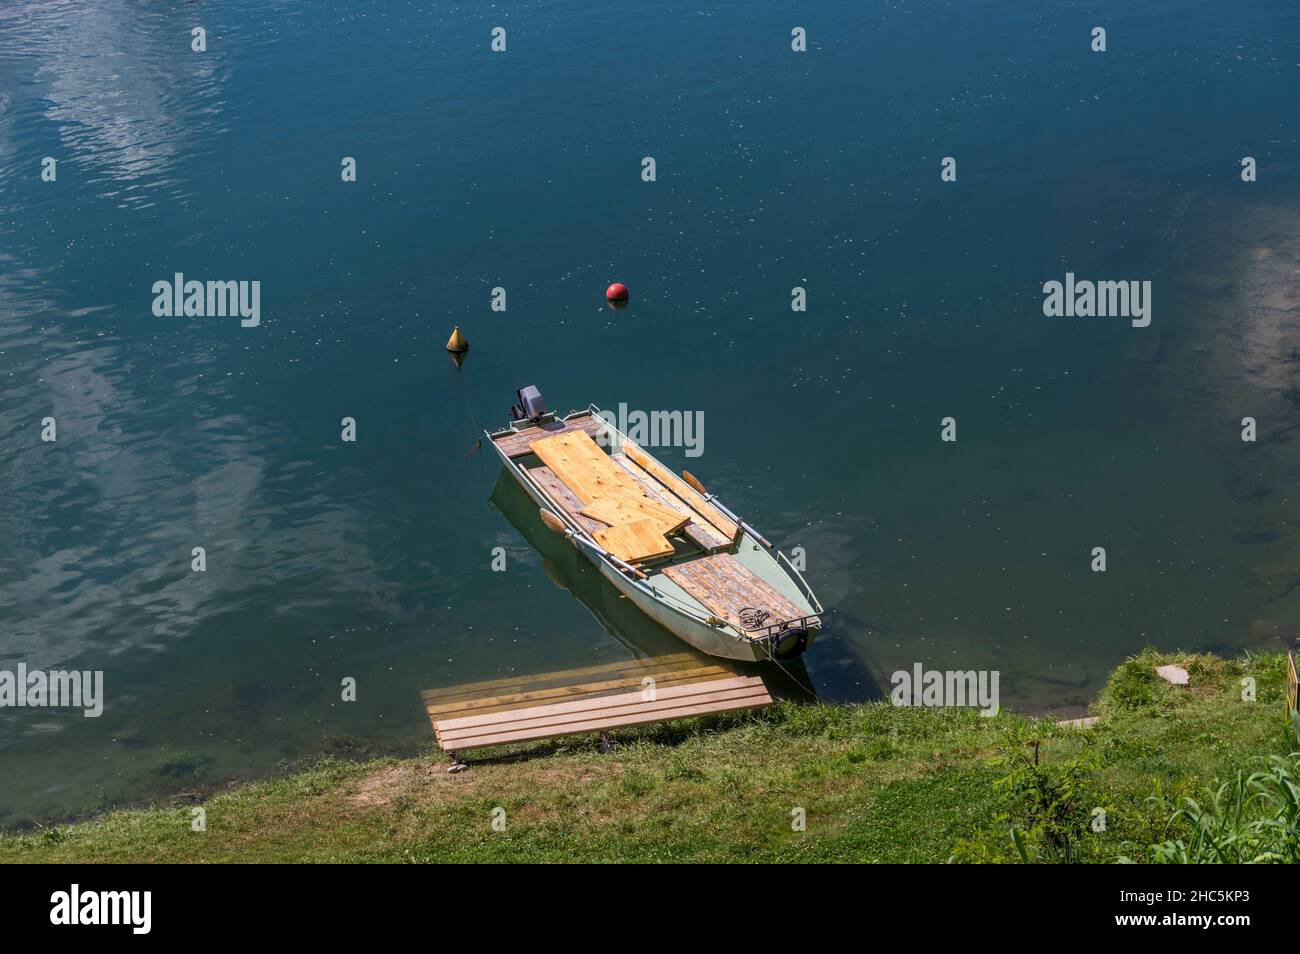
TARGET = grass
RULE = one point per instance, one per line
(876, 783)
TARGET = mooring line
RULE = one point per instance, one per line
(793, 678)
(478, 431)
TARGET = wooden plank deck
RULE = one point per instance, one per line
(585, 469)
(725, 586)
(618, 509)
(599, 713)
(595, 479)
(598, 490)
(520, 445)
(635, 542)
(697, 530)
(483, 705)
(562, 495)
(625, 674)
(709, 513)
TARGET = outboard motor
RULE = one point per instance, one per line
(530, 406)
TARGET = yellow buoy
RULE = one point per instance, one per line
(457, 342)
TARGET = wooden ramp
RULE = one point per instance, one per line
(637, 692)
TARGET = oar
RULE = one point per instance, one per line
(556, 525)
(699, 487)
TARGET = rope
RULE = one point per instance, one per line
(751, 617)
(478, 431)
(793, 678)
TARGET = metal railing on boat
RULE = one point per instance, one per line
(807, 590)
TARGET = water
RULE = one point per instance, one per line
(371, 560)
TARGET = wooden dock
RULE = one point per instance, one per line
(611, 696)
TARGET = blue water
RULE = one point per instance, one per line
(371, 559)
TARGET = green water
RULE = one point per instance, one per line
(372, 560)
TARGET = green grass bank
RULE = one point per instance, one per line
(874, 782)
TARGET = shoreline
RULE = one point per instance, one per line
(875, 783)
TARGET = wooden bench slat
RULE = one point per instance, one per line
(599, 713)
(631, 718)
(556, 709)
(487, 704)
(657, 663)
(560, 712)
(605, 719)
(684, 708)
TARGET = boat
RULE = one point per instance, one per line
(676, 551)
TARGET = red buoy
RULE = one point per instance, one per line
(616, 292)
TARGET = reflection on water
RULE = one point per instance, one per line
(120, 88)
(371, 560)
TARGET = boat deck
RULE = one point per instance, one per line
(545, 478)
(582, 466)
(519, 443)
(703, 534)
(691, 527)
(732, 592)
(611, 696)
(619, 502)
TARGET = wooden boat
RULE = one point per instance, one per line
(673, 549)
